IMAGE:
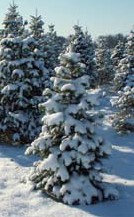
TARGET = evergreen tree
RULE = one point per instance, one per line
(124, 119)
(70, 150)
(104, 63)
(53, 47)
(37, 32)
(20, 90)
(125, 66)
(13, 22)
(36, 26)
(118, 54)
(82, 43)
(21, 81)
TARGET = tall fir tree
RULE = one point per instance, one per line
(36, 26)
(37, 32)
(21, 74)
(13, 22)
(124, 101)
(118, 54)
(125, 66)
(20, 90)
(104, 63)
(71, 152)
(53, 47)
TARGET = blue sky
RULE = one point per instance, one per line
(99, 16)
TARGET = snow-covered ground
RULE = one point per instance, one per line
(18, 200)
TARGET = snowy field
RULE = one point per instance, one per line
(18, 200)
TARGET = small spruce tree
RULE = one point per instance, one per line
(71, 152)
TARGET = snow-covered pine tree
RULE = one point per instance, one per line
(104, 63)
(13, 27)
(124, 119)
(82, 43)
(36, 26)
(20, 90)
(13, 22)
(90, 61)
(71, 152)
(53, 47)
(118, 54)
(125, 66)
(21, 74)
(50, 49)
(37, 32)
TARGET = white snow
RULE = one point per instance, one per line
(63, 173)
(61, 69)
(53, 119)
(74, 57)
(18, 72)
(19, 116)
(8, 88)
(50, 163)
(17, 198)
(75, 185)
(68, 87)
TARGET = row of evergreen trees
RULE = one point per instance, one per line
(35, 84)
(124, 85)
(27, 62)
